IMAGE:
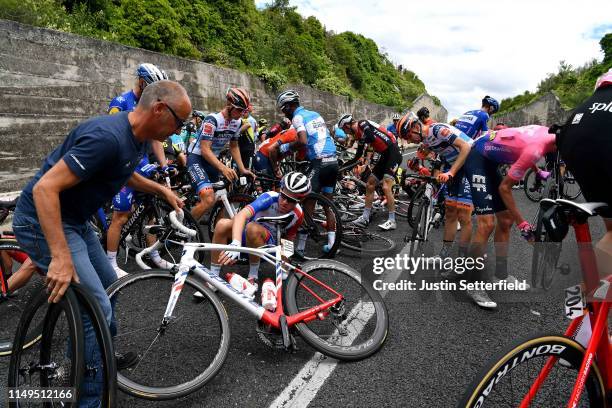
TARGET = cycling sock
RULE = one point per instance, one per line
(215, 269)
(302, 242)
(392, 216)
(254, 270)
(366, 213)
(501, 267)
(112, 257)
(155, 257)
(331, 238)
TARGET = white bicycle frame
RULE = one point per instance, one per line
(272, 255)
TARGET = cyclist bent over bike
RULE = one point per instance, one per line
(244, 230)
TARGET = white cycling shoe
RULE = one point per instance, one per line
(120, 272)
(388, 225)
(481, 298)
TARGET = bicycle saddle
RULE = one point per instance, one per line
(589, 209)
(281, 220)
(10, 205)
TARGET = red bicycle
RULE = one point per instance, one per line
(551, 370)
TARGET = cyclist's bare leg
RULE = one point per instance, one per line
(222, 235)
(22, 275)
(450, 225)
(501, 240)
(603, 251)
(464, 215)
(114, 229)
(207, 200)
(255, 237)
(485, 224)
(387, 187)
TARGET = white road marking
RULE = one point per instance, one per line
(305, 385)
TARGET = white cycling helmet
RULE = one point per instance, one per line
(150, 73)
(286, 97)
(345, 120)
(396, 116)
(296, 185)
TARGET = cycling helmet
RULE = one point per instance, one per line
(604, 80)
(345, 119)
(198, 114)
(500, 126)
(238, 98)
(488, 101)
(286, 97)
(396, 116)
(262, 122)
(405, 123)
(150, 73)
(423, 113)
(296, 185)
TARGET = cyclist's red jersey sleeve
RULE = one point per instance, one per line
(287, 136)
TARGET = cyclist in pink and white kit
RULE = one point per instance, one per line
(522, 147)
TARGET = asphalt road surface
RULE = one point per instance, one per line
(436, 344)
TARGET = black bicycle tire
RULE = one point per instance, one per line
(34, 336)
(526, 186)
(69, 304)
(105, 340)
(568, 196)
(416, 240)
(214, 213)
(168, 393)
(348, 243)
(329, 203)
(344, 353)
(488, 378)
(416, 198)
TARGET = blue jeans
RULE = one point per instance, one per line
(94, 272)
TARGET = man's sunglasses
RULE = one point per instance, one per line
(289, 199)
(179, 122)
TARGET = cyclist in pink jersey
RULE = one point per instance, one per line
(521, 147)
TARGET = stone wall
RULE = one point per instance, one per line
(546, 110)
(50, 80)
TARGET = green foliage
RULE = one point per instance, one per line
(571, 85)
(276, 43)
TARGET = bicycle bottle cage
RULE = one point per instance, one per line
(554, 220)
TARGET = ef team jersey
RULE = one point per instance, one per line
(473, 123)
(266, 205)
(320, 142)
(217, 129)
(522, 147)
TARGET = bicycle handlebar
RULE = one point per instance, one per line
(179, 225)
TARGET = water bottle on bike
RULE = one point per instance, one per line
(240, 284)
(268, 295)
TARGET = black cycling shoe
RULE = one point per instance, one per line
(125, 360)
(298, 257)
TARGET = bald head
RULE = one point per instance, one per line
(168, 91)
(162, 109)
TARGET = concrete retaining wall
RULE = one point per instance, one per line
(546, 110)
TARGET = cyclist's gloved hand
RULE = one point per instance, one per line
(445, 177)
(231, 256)
(527, 231)
(424, 171)
(543, 174)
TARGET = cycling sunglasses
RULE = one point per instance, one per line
(289, 199)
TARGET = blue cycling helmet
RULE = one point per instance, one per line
(488, 101)
(150, 73)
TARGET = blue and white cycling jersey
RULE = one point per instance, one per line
(320, 142)
(473, 123)
(440, 138)
(266, 205)
(217, 129)
(126, 102)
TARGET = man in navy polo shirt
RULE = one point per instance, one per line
(97, 158)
